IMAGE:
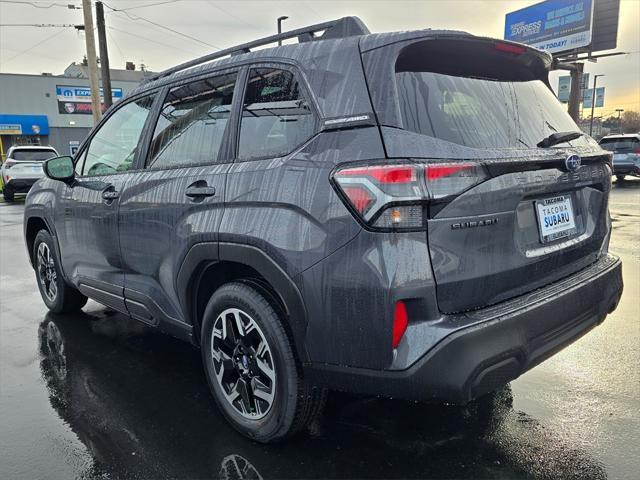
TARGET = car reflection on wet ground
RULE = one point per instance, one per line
(95, 395)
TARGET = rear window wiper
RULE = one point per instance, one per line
(559, 137)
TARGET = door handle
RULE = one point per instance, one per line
(110, 194)
(196, 192)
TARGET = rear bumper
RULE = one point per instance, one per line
(626, 169)
(20, 185)
(510, 338)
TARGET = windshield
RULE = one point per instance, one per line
(481, 113)
(33, 155)
(619, 144)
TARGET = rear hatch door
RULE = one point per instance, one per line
(511, 216)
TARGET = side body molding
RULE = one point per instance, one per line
(287, 291)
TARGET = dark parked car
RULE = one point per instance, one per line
(626, 153)
(405, 214)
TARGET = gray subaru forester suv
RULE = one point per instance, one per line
(407, 214)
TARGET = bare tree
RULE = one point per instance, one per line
(631, 122)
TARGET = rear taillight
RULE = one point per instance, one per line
(394, 195)
(9, 163)
(637, 150)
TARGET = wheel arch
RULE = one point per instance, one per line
(32, 226)
(202, 272)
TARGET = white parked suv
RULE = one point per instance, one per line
(626, 153)
(23, 167)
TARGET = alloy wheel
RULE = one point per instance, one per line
(47, 272)
(243, 363)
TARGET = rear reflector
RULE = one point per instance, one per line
(400, 322)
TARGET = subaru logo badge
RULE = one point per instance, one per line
(572, 163)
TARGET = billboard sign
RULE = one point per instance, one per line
(77, 100)
(564, 87)
(553, 25)
(24, 124)
(588, 98)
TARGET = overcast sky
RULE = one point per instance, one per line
(218, 24)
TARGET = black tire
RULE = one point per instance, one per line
(296, 403)
(620, 178)
(66, 299)
(8, 195)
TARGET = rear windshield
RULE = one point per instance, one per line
(479, 112)
(619, 144)
(33, 155)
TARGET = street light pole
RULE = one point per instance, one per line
(92, 61)
(593, 101)
(280, 20)
(619, 110)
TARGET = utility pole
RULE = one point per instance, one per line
(575, 69)
(104, 55)
(280, 20)
(593, 101)
(619, 110)
(92, 61)
(576, 91)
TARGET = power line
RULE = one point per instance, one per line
(33, 4)
(149, 40)
(112, 38)
(239, 19)
(39, 25)
(32, 47)
(147, 5)
(137, 17)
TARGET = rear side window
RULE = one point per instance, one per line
(276, 117)
(192, 123)
(33, 155)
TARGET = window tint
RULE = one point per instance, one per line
(192, 123)
(33, 155)
(113, 148)
(619, 144)
(481, 113)
(276, 118)
(80, 162)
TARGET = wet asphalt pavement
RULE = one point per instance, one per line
(95, 395)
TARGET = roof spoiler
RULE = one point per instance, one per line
(333, 29)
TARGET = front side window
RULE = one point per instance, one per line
(192, 123)
(113, 148)
(276, 117)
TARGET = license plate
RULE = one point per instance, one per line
(555, 218)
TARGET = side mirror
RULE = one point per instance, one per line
(60, 168)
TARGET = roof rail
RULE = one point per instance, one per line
(340, 28)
